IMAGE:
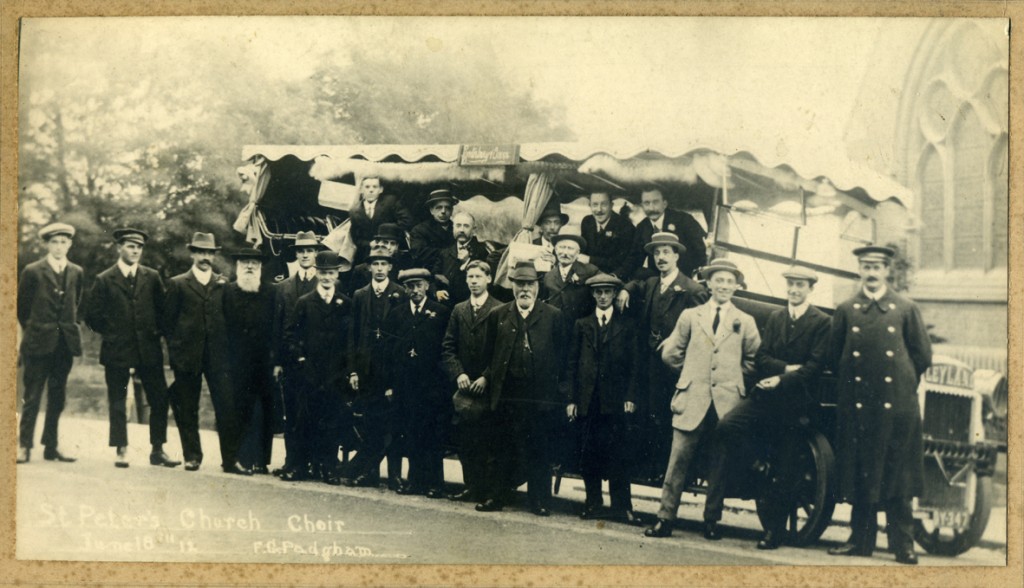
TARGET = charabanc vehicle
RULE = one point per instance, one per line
(762, 214)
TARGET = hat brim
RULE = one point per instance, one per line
(432, 201)
(679, 247)
(372, 258)
(192, 247)
(578, 239)
(561, 216)
(318, 245)
(708, 271)
(530, 278)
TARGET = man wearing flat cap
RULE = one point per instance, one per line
(528, 389)
(322, 338)
(49, 293)
(428, 238)
(603, 356)
(373, 209)
(712, 348)
(657, 302)
(286, 368)
(124, 306)
(564, 287)
(879, 348)
(792, 353)
(193, 323)
(416, 383)
(248, 311)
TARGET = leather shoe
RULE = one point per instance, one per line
(906, 557)
(261, 469)
(590, 512)
(408, 490)
(122, 457)
(465, 495)
(191, 466)
(238, 469)
(770, 540)
(332, 480)
(435, 493)
(489, 505)
(54, 455)
(662, 528)
(24, 454)
(540, 511)
(159, 458)
(849, 549)
(711, 531)
(394, 484)
(630, 518)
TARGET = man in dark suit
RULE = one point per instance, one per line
(373, 209)
(609, 236)
(373, 413)
(248, 311)
(193, 323)
(529, 388)
(286, 368)
(454, 260)
(791, 356)
(416, 382)
(428, 238)
(463, 347)
(391, 239)
(657, 302)
(49, 293)
(662, 219)
(551, 221)
(564, 287)
(322, 340)
(124, 306)
(602, 371)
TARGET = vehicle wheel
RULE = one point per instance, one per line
(951, 542)
(813, 492)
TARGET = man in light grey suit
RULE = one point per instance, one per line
(718, 343)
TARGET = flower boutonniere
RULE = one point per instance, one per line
(395, 296)
(609, 234)
(676, 288)
(736, 325)
(338, 301)
(430, 313)
(575, 279)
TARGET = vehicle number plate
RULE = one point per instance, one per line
(951, 519)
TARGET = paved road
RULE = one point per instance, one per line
(90, 510)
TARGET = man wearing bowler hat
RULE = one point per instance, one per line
(416, 384)
(712, 347)
(428, 238)
(248, 310)
(49, 293)
(564, 287)
(193, 323)
(551, 221)
(391, 239)
(124, 306)
(879, 347)
(528, 388)
(322, 339)
(657, 302)
(286, 369)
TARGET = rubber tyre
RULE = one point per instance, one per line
(815, 490)
(935, 542)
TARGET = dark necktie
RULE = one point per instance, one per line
(131, 281)
(718, 318)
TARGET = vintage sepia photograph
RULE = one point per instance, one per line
(658, 291)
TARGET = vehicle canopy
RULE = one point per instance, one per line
(764, 213)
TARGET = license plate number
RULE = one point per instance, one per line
(951, 519)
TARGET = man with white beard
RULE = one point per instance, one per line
(248, 312)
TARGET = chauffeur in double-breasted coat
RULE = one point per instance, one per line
(880, 348)
(124, 306)
(49, 292)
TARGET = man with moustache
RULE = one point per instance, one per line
(602, 368)
(49, 292)
(659, 300)
(453, 261)
(564, 287)
(430, 237)
(248, 309)
(373, 209)
(792, 353)
(662, 219)
(416, 382)
(286, 368)
(551, 221)
(529, 388)
(321, 336)
(124, 306)
(193, 323)
(879, 347)
(713, 348)
(373, 412)
(463, 348)
(609, 236)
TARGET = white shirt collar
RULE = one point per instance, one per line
(671, 277)
(325, 293)
(798, 311)
(714, 305)
(603, 315)
(58, 266)
(478, 302)
(126, 269)
(524, 313)
(306, 274)
(564, 270)
(379, 287)
(370, 206)
(417, 308)
(201, 276)
(546, 244)
(659, 223)
(602, 225)
(877, 295)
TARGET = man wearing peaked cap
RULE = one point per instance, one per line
(603, 359)
(428, 238)
(49, 293)
(879, 347)
(415, 384)
(125, 306)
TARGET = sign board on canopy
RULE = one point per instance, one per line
(470, 155)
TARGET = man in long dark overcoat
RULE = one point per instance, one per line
(880, 348)
(124, 307)
(428, 238)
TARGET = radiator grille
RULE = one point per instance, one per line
(947, 417)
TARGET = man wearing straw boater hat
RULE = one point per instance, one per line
(286, 369)
(124, 306)
(197, 343)
(49, 292)
(879, 348)
(713, 347)
(428, 238)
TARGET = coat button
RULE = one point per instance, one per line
(859, 405)
(892, 306)
(889, 353)
(888, 380)
(888, 405)
(856, 378)
(855, 329)
(891, 329)
(856, 353)
(856, 306)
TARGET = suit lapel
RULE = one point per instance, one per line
(725, 324)
(190, 279)
(706, 318)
